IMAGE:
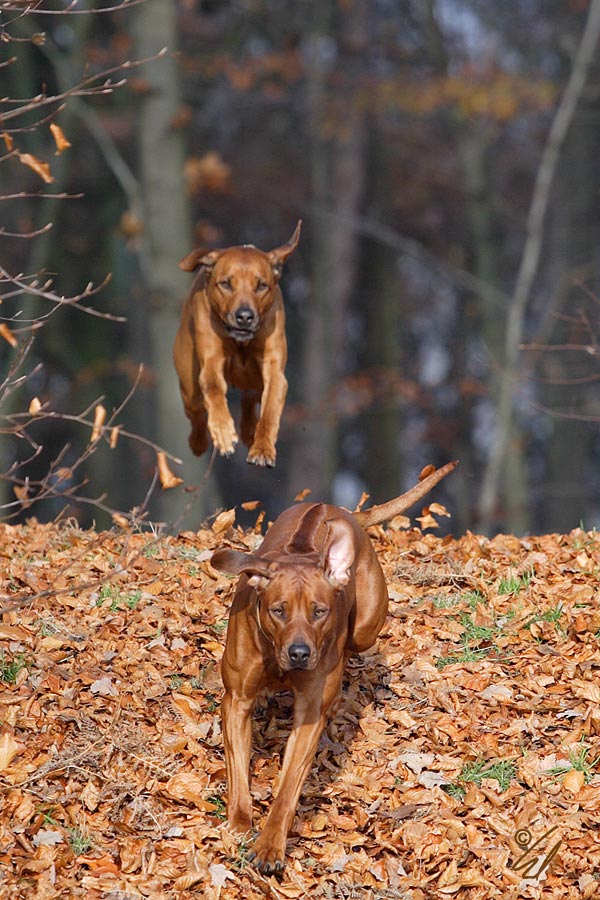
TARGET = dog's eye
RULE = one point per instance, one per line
(278, 612)
(225, 284)
(262, 286)
(320, 612)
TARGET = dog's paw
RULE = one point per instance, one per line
(267, 856)
(224, 437)
(262, 454)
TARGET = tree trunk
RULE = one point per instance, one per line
(381, 305)
(501, 448)
(337, 181)
(167, 236)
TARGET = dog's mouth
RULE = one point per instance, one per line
(241, 335)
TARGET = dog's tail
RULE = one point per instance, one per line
(378, 514)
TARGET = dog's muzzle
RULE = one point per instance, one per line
(243, 324)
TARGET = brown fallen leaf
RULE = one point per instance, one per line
(187, 786)
(8, 750)
(223, 521)
(573, 781)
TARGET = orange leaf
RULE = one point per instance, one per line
(224, 521)
(120, 520)
(8, 750)
(35, 406)
(59, 139)
(21, 491)
(105, 865)
(40, 168)
(99, 417)
(363, 499)
(187, 786)
(438, 509)
(167, 478)
(427, 521)
(7, 334)
(8, 141)
(573, 781)
(302, 495)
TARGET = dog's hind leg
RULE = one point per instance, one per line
(188, 370)
(196, 413)
(250, 401)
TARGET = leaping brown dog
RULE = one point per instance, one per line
(313, 594)
(232, 332)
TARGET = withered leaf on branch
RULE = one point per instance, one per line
(59, 139)
(7, 334)
(21, 492)
(167, 478)
(99, 419)
(40, 168)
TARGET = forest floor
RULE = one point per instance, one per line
(464, 761)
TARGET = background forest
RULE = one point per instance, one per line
(443, 302)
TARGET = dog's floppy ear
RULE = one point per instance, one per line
(339, 552)
(199, 257)
(234, 562)
(278, 256)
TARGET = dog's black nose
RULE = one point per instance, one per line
(244, 316)
(299, 655)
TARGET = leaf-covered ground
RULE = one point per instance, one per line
(469, 733)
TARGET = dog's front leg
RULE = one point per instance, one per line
(237, 738)
(262, 452)
(214, 390)
(311, 710)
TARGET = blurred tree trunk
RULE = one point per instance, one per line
(474, 147)
(482, 315)
(167, 236)
(574, 237)
(337, 181)
(382, 295)
(500, 457)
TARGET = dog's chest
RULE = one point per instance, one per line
(242, 370)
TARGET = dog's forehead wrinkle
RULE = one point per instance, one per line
(305, 582)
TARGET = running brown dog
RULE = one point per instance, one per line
(232, 332)
(313, 594)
